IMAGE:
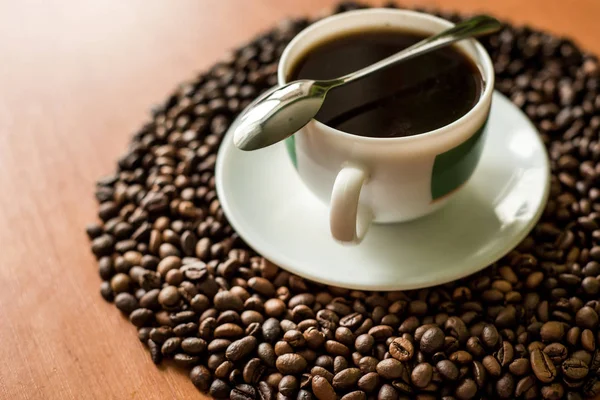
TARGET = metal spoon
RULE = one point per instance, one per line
(282, 111)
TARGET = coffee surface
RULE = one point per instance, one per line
(412, 97)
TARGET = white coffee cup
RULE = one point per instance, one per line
(385, 180)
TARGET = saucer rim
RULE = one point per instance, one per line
(287, 264)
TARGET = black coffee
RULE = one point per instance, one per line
(410, 98)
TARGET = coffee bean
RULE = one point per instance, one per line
(432, 340)
(265, 391)
(554, 391)
(421, 375)
(574, 369)
(226, 300)
(274, 308)
(368, 364)
(587, 318)
(169, 296)
(557, 352)
(346, 379)
(492, 365)
(364, 343)
(193, 346)
(185, 360)
(219, 389)
(336, 348)
(588, 340)
(356, 395)
(322, 389)
(288, 385)
(291, 363)
(391, 368)
(520, 367)
(369, 382)
(126, 303)
(542, 366)
(401, 349)
(505, 386)
(200, 377)
(505, 353)
(387, 392)
(447, 370)
(381, 332)
(552, 331)
(228, 330)
(490, 336)
(524, 385)
(466, 389)
(243, 392)
(314, 338)
(241, 348)
(480, 374)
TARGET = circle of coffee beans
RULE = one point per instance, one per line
(525, 327)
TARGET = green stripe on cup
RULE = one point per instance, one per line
(454, 167)
(290, 144)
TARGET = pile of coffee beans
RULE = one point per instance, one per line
(525, 327)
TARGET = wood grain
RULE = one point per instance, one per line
(76, 78)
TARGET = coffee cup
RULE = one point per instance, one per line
(368, 180)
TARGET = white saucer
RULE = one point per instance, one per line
(268, 205)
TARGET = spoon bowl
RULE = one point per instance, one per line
(277, 110)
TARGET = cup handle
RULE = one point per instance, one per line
(348, 219)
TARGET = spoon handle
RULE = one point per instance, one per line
(476, 26)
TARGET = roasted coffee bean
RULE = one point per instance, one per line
(480, 374)
(542, 366)
(241, 348)
(243, 392)
(553, 391)
(346, 379)
(552, 331)
(401, 349)
(291, 363)
(557, 352)
(322, 389)
(492, 365)
(193, 345)
(336, 348)
(520, 367)
(170, 346)
(288, 385)
(505, 354)
(432, 340)
(364, 343)
(368, 364)
(200, 377)
(574, 369)
(155, 353)
(387, 392)
(447, 370)
(524, 385)
(368, 382)
(421, 375)
(356, 395)
(219, 389)
(126, 302)
(391, 368)
(185, 360)
(505, 386)
(466, 389)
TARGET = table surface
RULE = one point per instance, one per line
(77, 77)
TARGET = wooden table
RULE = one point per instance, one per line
(76, 78)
